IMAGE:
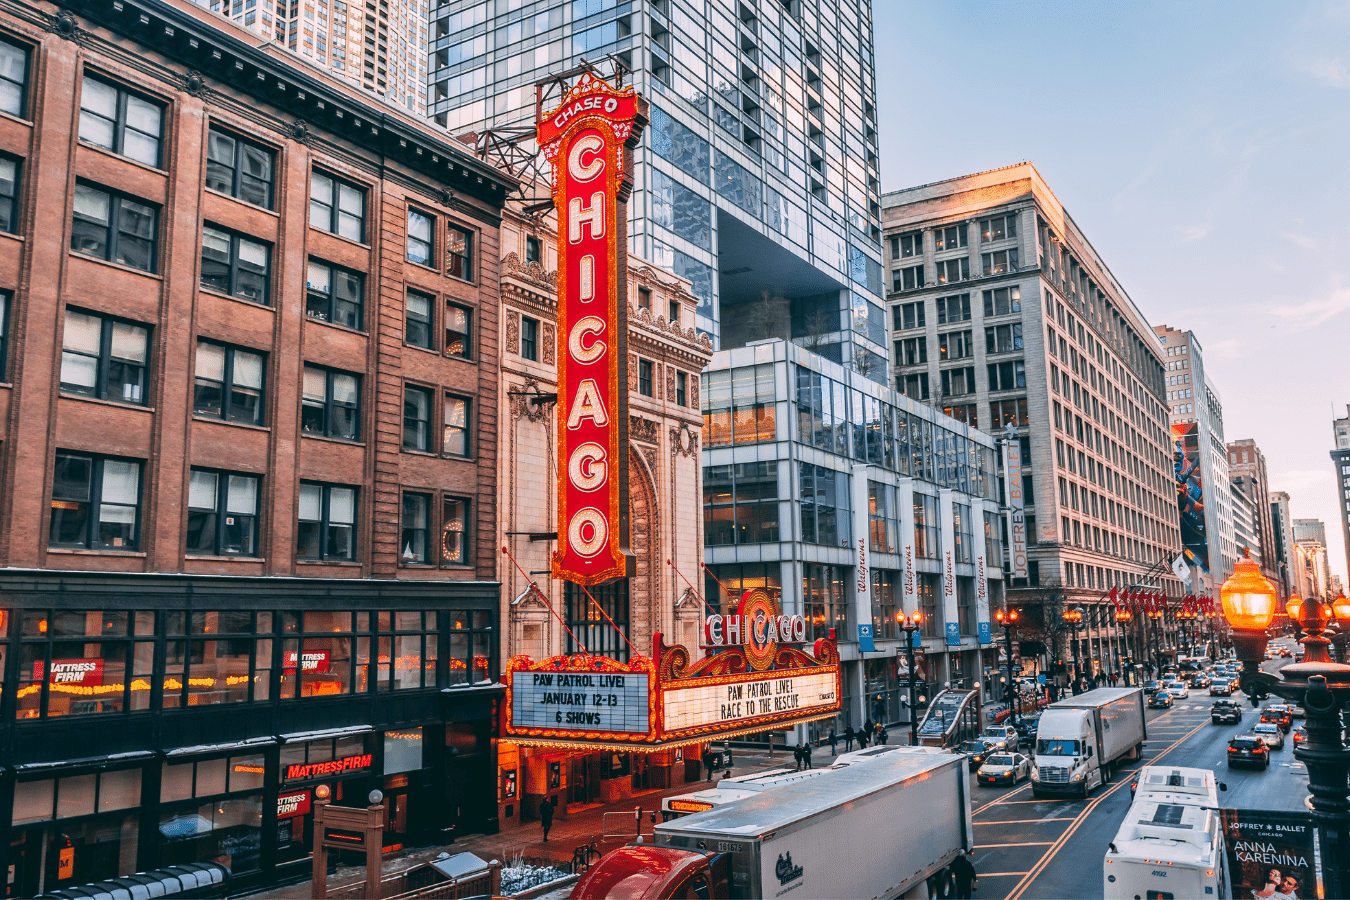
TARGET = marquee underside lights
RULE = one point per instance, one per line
(588, 141)
(753, 680)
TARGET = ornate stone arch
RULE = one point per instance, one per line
(645, 537)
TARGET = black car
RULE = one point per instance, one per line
(1160, 700)
(1225, 712)
(1248, 750)
(1152, 687)
(978, 751)
(1026, 730)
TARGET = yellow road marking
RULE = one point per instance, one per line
(1025, 821)
(1001, 874)
(1023, 844)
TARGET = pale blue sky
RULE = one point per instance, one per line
(1203, 148)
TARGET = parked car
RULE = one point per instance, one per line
(1004, 736)
(1160, 700)
(1008, 768)
(1277, 714)
(1177, 689)
(978, 750)
(1225, 712)
(1271, 733)
(1248, 750)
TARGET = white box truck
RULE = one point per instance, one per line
(1171, 842)
(1079, 738)
(878, 830)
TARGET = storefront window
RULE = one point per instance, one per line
(824, 602)
(884, 584)
(205, 672)
(81, 660)
(471, 646)
(227, 831)
(402, 751)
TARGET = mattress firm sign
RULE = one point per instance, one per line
(581, 701)
(732, 702)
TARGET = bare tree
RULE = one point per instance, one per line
(863, 362)
(816, 325)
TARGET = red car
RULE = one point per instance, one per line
(1300, 735)
(1279, 715)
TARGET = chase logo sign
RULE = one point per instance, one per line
(785, 870)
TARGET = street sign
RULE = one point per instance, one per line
(865, 643)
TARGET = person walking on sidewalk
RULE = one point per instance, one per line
(798, 754)
(964, 873)
(834, 742)
(848, 739)
(806, 754)
(708, 760)
(546, 815)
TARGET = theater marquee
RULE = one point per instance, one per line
(588, 143)
(754, 679)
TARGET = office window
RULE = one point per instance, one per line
(529, 338)
(953, 270)
(740, 503)
(1007, 376)
(906, 245)
(956, 382)
(239, 168)
(999, 262)
(1012, 411)
(953, 309)
(952, 237)
(5, 297)
(967, 412)
(416, 418)
(955, 345)
(229, 384)
(458, 331)
(337, 206)
(118, 120)
(1002, 301)
(421, 238)
(222, 514)
(104, 358)
(455, 441)
(907, 279)
(681, 389)
(1003, 338)
(998, 228)
(459, 252)
(13, 79)
(413, 541)
(644, 298)
(327, 522)
(114, 227)
(913, 386)
(911, 351)
(417, 319)
(330, 404)
(533, 251)
(454, 531)
(9, 181)
(645, 377)
(234, 264)
(334, 295)
(908, 315)
(95, 502)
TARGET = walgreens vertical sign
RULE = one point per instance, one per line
(588, 142)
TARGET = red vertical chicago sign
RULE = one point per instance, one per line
(588, 141)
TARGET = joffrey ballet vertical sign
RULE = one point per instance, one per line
(588, 142)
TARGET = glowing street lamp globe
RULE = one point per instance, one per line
(1248, 599)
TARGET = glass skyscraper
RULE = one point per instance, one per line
(758, 176)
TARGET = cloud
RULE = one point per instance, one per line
(1310, 313)
(1301, 240)
(1189, 233)
(1332, 72)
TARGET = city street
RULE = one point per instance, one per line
(1053, 848)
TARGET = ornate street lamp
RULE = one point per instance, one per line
(1321, 686)
(1123, 615)
(1293, 608)
(1007, 618)
(1073, 617)
(911, 622)
(1340, 607)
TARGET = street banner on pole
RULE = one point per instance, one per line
(1017, 520)
(1271, 853)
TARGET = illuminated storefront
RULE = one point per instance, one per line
(158, 721)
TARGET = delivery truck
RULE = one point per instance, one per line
(878, 830)
(1080, 738)
(1171, 842)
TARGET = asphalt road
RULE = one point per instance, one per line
(1027, 849)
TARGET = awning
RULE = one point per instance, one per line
(329, 733)
(251, 744)
(167, 882)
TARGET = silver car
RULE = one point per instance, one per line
(1271, 733)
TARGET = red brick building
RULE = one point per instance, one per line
(248, 381)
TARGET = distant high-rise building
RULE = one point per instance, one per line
(1282, 528)
(379, 46)
(1340, 458)
(1005, 318)
(757, 178)
(1247, 473)
(1199, 455)
(1245, 534)
(1311, 535)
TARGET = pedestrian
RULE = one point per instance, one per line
(885, 735)
(546, 815)
(708, 759)
(807, 754)
(964, 873)
(848, 739)
(834, 742)
(798, 755)
(862, 739)
(870, 728)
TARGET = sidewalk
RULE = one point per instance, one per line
(577, 830)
